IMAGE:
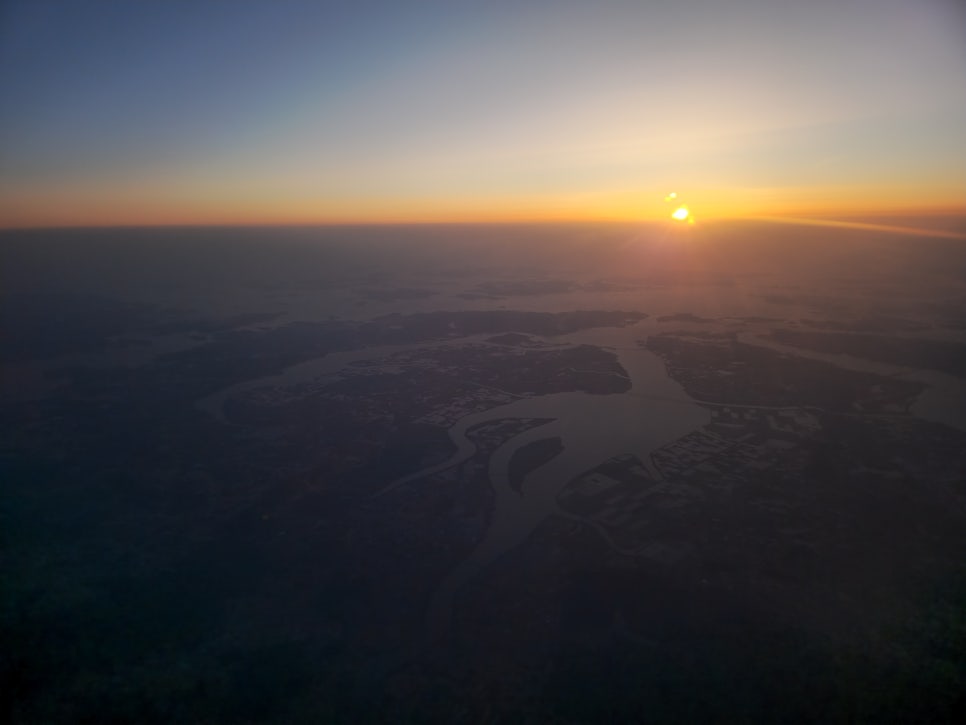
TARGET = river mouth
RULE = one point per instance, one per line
(591, 429)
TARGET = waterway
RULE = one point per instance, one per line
(592, 428)
(943, 397)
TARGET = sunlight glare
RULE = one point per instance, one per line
(681, 213)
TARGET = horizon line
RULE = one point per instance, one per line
(834, 219)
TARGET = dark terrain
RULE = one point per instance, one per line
(798, 559)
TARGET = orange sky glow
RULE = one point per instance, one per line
(548, 112)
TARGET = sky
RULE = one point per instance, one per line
(386, 111)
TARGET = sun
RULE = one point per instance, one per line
(681, 212)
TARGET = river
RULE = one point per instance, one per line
(592, 429)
